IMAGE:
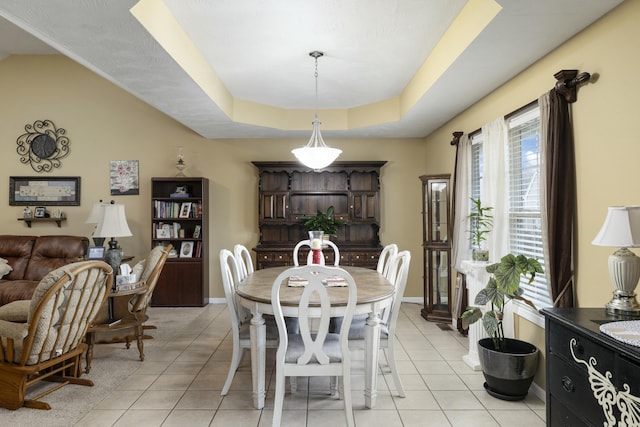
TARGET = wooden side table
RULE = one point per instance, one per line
(134, 324)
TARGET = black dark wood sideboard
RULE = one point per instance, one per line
(592, 378)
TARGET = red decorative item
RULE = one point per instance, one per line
(316, 256)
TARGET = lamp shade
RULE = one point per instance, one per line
(95, 215)
(316, 154)
(621, 228)
(113, 222)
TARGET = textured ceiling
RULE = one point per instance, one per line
(240, 69)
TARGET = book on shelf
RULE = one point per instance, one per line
(179, 195)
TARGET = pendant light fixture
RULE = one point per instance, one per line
(316, 154)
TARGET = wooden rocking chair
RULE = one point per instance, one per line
(42, 338)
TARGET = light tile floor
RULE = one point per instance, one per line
(180, 380)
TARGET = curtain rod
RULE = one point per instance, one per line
(567, 85)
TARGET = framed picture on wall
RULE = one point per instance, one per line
(44, 191)
(123, 177)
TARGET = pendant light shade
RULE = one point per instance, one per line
(316, 154)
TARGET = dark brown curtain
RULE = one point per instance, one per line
(561, 201)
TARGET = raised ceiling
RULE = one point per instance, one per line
(241, 69)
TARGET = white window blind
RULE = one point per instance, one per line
(525, 223)
(477, 166)
(477, 172)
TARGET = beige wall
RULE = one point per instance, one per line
(606, 143)
(105, 123)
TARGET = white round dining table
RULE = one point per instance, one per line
(375, 293)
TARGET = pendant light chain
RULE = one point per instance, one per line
(316, 54)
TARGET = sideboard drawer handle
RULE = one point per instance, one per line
(567, 384)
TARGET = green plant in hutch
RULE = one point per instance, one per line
(481, 224)
(323, 221)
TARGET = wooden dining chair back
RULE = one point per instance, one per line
(307, 243)
(240, 317)
(49, 345)
(244, 261)
(386, 256)
(313, 350)
(398, 273)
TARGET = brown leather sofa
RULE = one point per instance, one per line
(32, 257)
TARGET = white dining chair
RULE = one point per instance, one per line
(240, 317)
(398, 273)
(244, 261)
(313, 351)
(302, 243)
(388, 252)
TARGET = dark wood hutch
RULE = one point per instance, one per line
(288, 191)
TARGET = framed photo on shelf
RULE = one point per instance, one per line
(95, 252)
(196, 232)
(163, 233)
(40, 212)
(185, 210)
(186, 250)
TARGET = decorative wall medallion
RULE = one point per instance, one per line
(43, 146)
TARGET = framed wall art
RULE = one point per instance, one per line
(124, 178)
(44, 191)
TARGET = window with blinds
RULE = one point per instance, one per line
(477, 167)
(525, 222)
(477, 173)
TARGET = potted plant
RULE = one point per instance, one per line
(481, 222)
(323, 221)
(508, 364)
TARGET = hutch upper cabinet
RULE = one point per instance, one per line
(436, 248)
(180, 216)
(288, 191)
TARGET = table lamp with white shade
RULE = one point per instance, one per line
(95, 216)
(113, 224)
(621, 229)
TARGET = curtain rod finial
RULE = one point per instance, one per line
(568, 82)
(456, 137)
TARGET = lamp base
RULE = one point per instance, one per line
(624, 304)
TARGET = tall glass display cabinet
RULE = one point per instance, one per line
(436, 201)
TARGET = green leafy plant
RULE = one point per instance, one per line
(481, 222)
(502, 287)
(324, 221)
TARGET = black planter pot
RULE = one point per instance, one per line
(508, 373)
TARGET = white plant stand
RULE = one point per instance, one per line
(477, 278)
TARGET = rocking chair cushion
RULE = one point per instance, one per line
(16, 311)
(15, 331)
(45, 336)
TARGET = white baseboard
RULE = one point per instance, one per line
(538, 391)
